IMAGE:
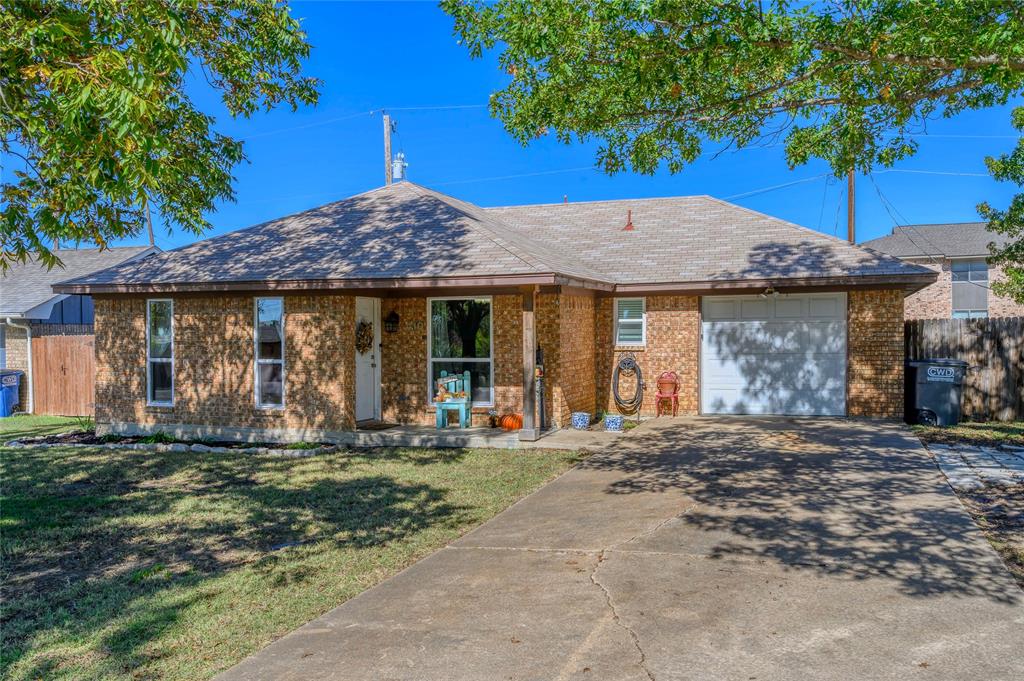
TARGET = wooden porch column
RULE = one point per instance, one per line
(529, 430)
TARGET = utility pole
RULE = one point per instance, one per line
(149, 223)
(387, 149)
(851, 208)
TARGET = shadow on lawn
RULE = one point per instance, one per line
(134, 525)
(836, 497)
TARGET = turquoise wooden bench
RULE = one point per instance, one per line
(454, 384)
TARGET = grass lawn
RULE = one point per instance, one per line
(14, 427)
(985, 434)
(124, 564)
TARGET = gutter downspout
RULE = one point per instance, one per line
(28, 332)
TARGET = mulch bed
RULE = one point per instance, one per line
(88, 437)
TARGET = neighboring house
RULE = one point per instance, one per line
(30, 312)
(252, 335)
(958, 252)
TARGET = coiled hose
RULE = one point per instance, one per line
(627, 366)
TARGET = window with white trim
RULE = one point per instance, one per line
(970, 288)
(460, 340)
(160, 352)
(269, 342)
(630, 321)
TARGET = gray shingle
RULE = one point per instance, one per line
(407, 231)
(399, 231)
(692, 239)
(951, 240)
(28, 285)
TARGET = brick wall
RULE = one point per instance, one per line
(875, 348)
(213, 367)
(404, 397)
(673, 344)
(574, 389)
(998, 306)
(17, 358)
(936, 301)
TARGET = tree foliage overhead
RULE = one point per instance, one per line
(95, 119)
(847, 81)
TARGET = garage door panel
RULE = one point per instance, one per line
(792, 362)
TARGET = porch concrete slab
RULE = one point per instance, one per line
(726, 548)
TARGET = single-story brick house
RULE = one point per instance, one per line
(31, 311)
(958, 252)
(252, 335)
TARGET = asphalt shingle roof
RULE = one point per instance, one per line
(693, 239)
(399, 231)
(28, 285)
(405, 231)
(951, 240)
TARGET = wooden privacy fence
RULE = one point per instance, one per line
(994, 348)
(63, 371)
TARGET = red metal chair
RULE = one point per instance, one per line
(668, 391)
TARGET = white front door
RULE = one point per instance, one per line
(781, 354)
(368, 363)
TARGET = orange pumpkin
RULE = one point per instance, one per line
(511, 421)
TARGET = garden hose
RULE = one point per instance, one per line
(628, 366)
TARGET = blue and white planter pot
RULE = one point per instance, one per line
(613, 423)
(580, 420)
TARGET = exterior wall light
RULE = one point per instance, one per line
(391, 322)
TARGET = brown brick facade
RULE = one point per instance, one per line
(213, 367)
(673, 344)
(936, 301)
(874, 376)
(214, 360)
(404, 389)
(17, 358)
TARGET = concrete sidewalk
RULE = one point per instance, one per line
(729, 548)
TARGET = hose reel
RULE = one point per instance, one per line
(627, 366)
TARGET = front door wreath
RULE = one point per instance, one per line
(364, 337)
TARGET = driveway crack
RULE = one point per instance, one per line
(617, 619)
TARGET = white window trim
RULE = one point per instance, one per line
(430, 345)
(256, 355)
(643, 324)
(150, 360)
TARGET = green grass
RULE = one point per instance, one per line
(14, 427)
(992, 433)
(131, 564)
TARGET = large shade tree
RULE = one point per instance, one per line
(847, 81)
(96, 123)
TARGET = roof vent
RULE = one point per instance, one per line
(398, 166)
(629, 222)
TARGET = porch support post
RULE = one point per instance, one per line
(529, 430)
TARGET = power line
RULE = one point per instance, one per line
(445, 107)
(764, 189)
(930, 172)
(315, 124)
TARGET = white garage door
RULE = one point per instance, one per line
(782, 354)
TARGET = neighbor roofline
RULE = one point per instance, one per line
(543, 279)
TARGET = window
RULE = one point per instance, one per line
(630, 321)
(970, 288)
(269, 353)
(460, 340)
(3, 346)
(970, 314)
(160, 352)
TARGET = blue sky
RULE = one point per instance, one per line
(374, 56)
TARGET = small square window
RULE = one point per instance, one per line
(630, 321)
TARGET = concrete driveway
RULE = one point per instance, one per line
(728, 548)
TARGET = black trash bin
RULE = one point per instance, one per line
(934, 387)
